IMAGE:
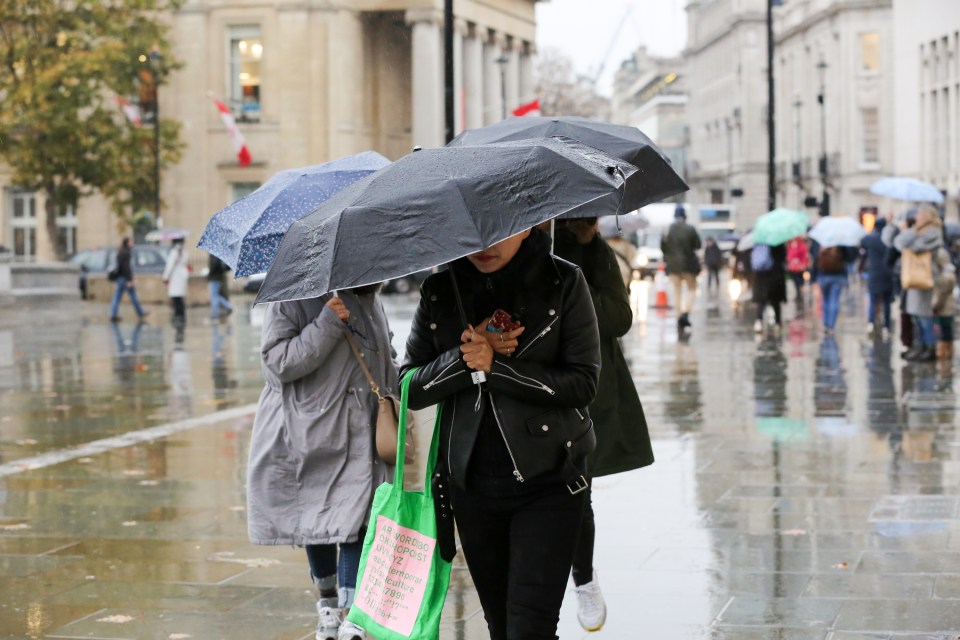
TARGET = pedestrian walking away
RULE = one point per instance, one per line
(122, 275)
(515, 431)
(623, 442)
(918, 245)
(217, 282)
(798, 261)
(831, 277)
(713, 259)
(313, 464)
(680, 247)
(176, 275)
(769, 282)
(879, 278)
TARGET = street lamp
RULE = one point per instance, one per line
(797, 144)
(502, 61)
(825, 197)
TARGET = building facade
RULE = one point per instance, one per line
(307, 82)
(726, 112)
(926, 53)
(834, 103)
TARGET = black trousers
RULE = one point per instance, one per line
(179, 310)
(519, 548)
(583, 557)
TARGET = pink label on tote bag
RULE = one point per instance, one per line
(394, 581)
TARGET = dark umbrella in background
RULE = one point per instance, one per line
(437, 205)
(247, 233)
(654, 180)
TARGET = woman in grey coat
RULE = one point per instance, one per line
(313, 463)
(924, 237)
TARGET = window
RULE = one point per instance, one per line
(716, 196)
(870, 52)
(246, 51)
(869, 136)
(241, 189)
(67, 230)
(22, 207)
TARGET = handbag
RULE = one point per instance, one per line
(916, 270)
(403, 581)
(388, 415)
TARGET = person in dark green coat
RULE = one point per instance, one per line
(623, 442)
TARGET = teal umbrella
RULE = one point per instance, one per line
(781, 428)
(780, 226)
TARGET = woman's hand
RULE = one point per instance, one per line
(336, 305)
(476, 349)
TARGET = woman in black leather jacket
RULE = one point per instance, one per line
(514, 429)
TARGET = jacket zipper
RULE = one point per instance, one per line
(440, 377)
(520, 380)
(453, 421)
(545, 331)
(496, 417)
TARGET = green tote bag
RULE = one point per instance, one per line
(402, 579)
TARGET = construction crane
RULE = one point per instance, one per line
(613, 43)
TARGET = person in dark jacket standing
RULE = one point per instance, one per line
(713, 259)
(879, 276)
(623, 442)
(514, 432)
(217, 281)
(680, 247)
(124, 282)
(769, 283)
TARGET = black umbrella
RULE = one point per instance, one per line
(655, 179)
(437, 205)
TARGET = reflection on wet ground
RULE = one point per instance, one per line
(806, 487)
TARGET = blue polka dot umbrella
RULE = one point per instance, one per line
(247, 233)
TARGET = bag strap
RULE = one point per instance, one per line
(363, 367)
(402, 440)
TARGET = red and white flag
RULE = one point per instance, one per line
(531, 108)
(131, 111)
(236, 138)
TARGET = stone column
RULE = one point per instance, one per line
(473, 78)
(527, 88)
(492, 91)
(460, 31)
(427, 85)
(512, 84)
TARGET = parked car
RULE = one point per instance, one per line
(406, 284)
(146, 258)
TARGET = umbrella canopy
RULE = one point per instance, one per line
(906, 189)
(247, 233)
(780, 226)
(654, 181)
(838, 231)
(437, 205)
(746, 242)
(162, 235)
(613, 226)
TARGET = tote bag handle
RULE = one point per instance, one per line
(402, 440)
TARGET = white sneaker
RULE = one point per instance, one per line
(758, 326)
(350, 631)
(329, 624)
(591, 609)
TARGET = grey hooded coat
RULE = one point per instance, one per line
(313, 465)
(920, 301)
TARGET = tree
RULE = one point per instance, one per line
(62, 65)
(563, 93)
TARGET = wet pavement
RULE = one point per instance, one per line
(806, 487)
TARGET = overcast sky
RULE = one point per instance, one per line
(586, 30)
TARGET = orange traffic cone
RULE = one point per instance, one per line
(661, 301)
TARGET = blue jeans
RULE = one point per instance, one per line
(884, 299)
(925, 327)
(217, 300)
(118, 293)
(831, 286)
(324, 563)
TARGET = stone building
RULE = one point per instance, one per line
(926, 54)
(308, 82)
(726, 83)
(841, 50)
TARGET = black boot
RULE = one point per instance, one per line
(926, 353)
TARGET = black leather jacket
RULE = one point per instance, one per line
(538, 395)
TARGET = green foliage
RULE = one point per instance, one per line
(62, 65)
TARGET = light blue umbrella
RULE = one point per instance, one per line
(247, 233)
(838, 231)
(780, 226)
(907, 189)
